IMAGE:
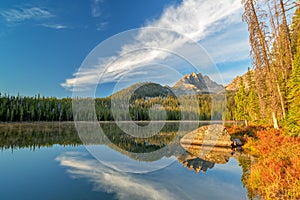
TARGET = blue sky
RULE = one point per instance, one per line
(43, 43)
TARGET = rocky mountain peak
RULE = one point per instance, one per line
(194, 74)
(196, 83)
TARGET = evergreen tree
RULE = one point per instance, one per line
(293, 119)
(253, 106)
(7, 115)
(241, 102)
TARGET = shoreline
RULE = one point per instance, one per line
(167, 121)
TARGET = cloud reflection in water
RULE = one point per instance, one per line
(124, 185)
(173, 182)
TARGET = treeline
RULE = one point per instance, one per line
(274, 38)
(24, 135)
(18, 108)
(37, 108)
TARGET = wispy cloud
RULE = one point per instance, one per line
(197, 19)
(229, 75)
(124, 185)
(101, 26)
(22, 14)
(54, 26)
(96, 10)
(230, 45)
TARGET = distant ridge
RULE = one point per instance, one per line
(146, 89)
(234, 84)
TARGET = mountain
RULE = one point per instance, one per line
(147, 89)
(189, 84)
(196, 83)
(234, 84)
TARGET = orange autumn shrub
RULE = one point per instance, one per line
(243, 131)
(276, 173)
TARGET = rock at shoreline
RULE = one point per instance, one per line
(236, 142)
(212, 135)
(211, 143)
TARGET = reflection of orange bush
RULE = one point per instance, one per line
(276, 174)
(243, 130)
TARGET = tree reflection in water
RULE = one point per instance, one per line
(36, 135)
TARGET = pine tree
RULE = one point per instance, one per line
(293, 117)
(293, 120)
(8, 115)
(241, 102)
(253, 108)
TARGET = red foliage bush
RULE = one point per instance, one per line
(276, 173)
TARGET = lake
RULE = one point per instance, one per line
(50, 161)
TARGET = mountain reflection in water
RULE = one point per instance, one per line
(164, 144)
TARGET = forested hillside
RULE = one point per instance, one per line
(274, 92)
(273, 97)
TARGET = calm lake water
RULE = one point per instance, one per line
(49, 161)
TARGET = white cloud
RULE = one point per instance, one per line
(54, 26)
(96, 8)
(101, 26)
(197, 19)
(22, 14)
(125, 186)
